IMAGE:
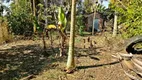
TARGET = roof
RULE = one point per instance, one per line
(92, 14)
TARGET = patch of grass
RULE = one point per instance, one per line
(77, 40)
(86, 33)
(53, 74)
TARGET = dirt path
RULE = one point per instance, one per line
(23, 59)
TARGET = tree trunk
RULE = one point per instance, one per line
(93, 22)
(16, 2)
(46, 23)
(115, 26)
(70, 61)
(94, 19)
(34, 14)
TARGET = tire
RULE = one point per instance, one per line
(131, 42)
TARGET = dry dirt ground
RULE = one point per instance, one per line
(24, 60)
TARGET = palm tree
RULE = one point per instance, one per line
(70, 61)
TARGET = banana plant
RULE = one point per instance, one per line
(62, 18)
(63, 21)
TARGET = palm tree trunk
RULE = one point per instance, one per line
(70, 61)
(115, 26)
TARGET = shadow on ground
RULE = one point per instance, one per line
(21, 61)
(99, 65)
(92, 53)
(87, 52)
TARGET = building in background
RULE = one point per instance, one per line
(98, 22)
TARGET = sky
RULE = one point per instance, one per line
(7, 4)
(105, 3)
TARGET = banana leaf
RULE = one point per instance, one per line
(62, 18)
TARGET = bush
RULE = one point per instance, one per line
(4, 33)
(80, 25)
(130, 16)
(20, 18)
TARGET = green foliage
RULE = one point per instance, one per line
(100, 8)
(35, 22)
(20, 23)
(62, 18)
(80, 24)
(50, 13)
(88, 5)
(132, 31)
(40, 12)
(130, 15)
(20, 18)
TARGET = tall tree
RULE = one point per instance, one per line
(115, 25)
(70, 61)
(115, 19)
(46, 23)
(34, 14)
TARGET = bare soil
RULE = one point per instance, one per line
(24, 59)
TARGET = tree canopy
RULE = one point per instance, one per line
(130, 14)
